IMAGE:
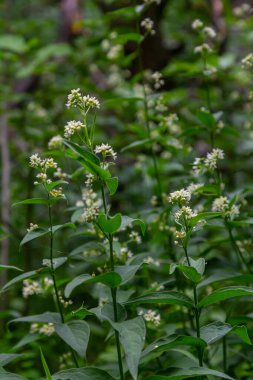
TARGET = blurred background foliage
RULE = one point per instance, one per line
(48, 48)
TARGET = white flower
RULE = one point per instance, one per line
(55, 142)
(89, 215)
(193, 187)
(150, 260)
(47, 329)
(247, 62)
(105, 150)
(30, 288)
(148, 25)
(197, 24)
(204, 48)
(32, 227)
(221, 204)
(158, 79)
(182, 196)
(90, 102)
(35, 161)
(209, 32)
(151, 316)
(56, 192)
(72, 127)
(135, 237)
(185, 212)
(114, 52)
(74, 98)
(60, 174)
(212, 158)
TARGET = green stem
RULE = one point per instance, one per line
(53, 276)
(113, 290)
(236, 248)
(196, 310)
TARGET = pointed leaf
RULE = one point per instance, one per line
(224, 294)
(132, 338)
(111, 279)
(167, 297)
(45, 366)
(81, 374)
(127, 221)
(76, 334)
(109, 225)
(191, 373)
(39, 232)
(21, 277)
(112, 184)
(7, 358)
(32, 201)
(10, 267)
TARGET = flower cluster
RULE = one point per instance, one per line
(55, 142)
(72, 127)
(76, 99)
(151, 316)
(42, 165)
(91, 205)
(34, 287)
(65, 361)
(32, 227)
(247, 62)
(208, 163)
(106, 151)
(222, 204)
(135, 237)
(157, 79)
(148, 25)
(180, 197)
(46, 329)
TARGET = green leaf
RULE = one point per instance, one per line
(106, 312)
(182, 374)
(52, 185)
(60, 226)
(11, 376)
(45, 366)
(189, 272)
(111, 279)
(32, 201)
(112, 184)
(132, 338)
(158, 347)
(57, 262)
(167, 297)
(224, 294)
(203, 215)
(127, 221)
(135, 144)
(95, 169)
(47, 317)
(242, 333)
(109, 225)
(82, 152)
(126, 272)
(214, 331)
(10, 267)
(8, 358)
(76, 334)
(21, 277)
(14, 43)
(81, 373)
(206, 119)
(39, 232)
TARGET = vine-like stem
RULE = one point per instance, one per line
(53, 274)
(113, 290)
(196, 310)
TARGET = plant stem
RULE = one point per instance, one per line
(113, 290)
(196, 310)
(236, 248)
(53, 276)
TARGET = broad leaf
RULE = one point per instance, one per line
(47, 317)
(32, 201)
(111, 279)
(22, 277)
(76, 334)
(127, 221)
(39, 232)
(191, 373)
(132, 338)
(81, 374)
(109, 225)
(224, 294)
(167, 297)
(7, 358)
(112, 184)
(10, 376)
